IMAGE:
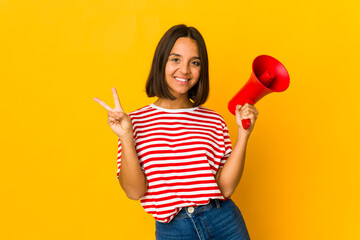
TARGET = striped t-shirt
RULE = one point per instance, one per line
(180, 151)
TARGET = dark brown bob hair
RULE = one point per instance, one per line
(156, 84)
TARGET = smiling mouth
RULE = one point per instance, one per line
(182, 79)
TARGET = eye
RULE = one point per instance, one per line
(196, 63)
(175, 60)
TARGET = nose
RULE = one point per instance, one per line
(184, 68)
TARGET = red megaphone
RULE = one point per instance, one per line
(268, 75)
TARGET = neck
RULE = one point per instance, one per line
(174, 104)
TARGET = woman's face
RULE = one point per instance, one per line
(182, 70)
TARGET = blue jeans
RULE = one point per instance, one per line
(218, 220)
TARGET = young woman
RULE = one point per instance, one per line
(175, 155)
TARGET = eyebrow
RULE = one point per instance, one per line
(178, 55)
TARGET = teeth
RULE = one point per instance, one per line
(181, 79)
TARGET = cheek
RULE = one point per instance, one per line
(169, 69)
(196, 73)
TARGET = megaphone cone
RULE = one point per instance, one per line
(268, 75)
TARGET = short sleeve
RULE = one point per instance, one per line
(228, 147)
(118, 158)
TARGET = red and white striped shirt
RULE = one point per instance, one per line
(180, 151)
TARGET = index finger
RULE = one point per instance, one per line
(116, 100)
(102, 103)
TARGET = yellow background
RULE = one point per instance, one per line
(58, 155)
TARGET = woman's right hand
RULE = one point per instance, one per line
(118, 120)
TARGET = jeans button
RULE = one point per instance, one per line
(190, 209)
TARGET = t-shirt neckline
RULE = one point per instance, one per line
(174, 110)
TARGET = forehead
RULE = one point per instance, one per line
(186, 47)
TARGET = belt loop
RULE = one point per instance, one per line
(217, 203)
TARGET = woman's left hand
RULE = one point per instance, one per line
(247, 111)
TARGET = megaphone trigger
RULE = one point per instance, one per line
(246, 123)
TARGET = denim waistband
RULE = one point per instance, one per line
(213, 203)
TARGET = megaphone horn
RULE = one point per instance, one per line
(268, 75)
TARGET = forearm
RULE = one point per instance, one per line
(131, 177)
(229, 176)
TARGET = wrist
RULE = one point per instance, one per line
(243, 134)
(126, 139)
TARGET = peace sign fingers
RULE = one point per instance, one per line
(117, 108)
(118, 120)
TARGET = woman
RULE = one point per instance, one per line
(175, 155)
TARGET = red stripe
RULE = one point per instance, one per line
(170, 157)
(201, 135)
(189, 170)
(178, 151)
(183, 130)
(166, 145)
(182, 190)
(154, 186)
(172, 140)
(175, 118)
(174, 164)
(163, 178)
(157, 124)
